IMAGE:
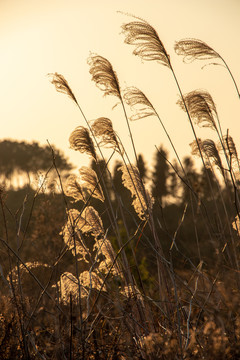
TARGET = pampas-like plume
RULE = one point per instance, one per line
(72, 231)
(91, 280)
(230, 146)
(80, 140)
(90, 222)
(193, 49)
(230, 149)
(133, 97)
(201, 108)
(104, 76)
(195, 147)
(62, 86)
(132, 181)
(102, 128)
(69, 284)
(90, 182)
(74, 189)
(104, 247)
(209, 151)
(84, 186)
(145, 38)
(80, 223)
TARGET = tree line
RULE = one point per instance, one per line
(175, 202)
(20, 159)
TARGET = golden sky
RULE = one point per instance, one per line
(38, 37)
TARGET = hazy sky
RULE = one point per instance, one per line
(38, 37)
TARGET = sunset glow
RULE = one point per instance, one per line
(40, 37)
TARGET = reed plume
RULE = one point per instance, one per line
(90, 280)
(74, 188)
(72, 235)
(89, 221)
(134, 97)
(201, 108)
(210, 153)
(149, 47)
(84, 186)
(142, 201)
(103, 75)
(193, 49)
(80, 140)
(106, 79)
(69, 285)
(102, 128)
(62, 86)
(89, 181)
(230, 147)
(104, 248)
(231, 151)
(146, 40)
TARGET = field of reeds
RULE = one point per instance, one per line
(110, 264)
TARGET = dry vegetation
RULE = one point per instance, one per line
(86, 276)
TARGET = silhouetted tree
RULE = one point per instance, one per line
(192, 177)
(209, 184)
(174, 180)
(142, 167)
(25, 158)
(160, 175)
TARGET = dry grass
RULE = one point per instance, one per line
(94, 297)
